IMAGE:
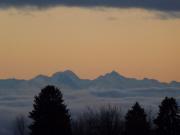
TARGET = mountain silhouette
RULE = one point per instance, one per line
(69, 80)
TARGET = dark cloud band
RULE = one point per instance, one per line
(159, 5)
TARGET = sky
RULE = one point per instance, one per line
(90, 41)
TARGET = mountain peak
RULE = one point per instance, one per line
(67, 73)
(40, 77)
(114, 74)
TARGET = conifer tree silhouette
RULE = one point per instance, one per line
(168, 120)
(50, 115)
(135, 121)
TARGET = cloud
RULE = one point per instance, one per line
(158, 5)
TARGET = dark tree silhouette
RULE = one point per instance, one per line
(135, 121)
(104, 121)
(168, 120)
(20, 125)
(49, 115)
(110, 120)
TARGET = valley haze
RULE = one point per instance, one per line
(16, 96)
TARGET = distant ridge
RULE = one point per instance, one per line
(69, 80)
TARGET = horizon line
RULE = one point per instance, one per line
(69, 70)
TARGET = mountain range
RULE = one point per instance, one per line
(69, 80)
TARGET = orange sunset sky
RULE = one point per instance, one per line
(134, 42)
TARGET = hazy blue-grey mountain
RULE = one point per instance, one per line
(70, 80)
(174, 84)
(12, 83)
(66, 79)
(114, 80)
(39, 80)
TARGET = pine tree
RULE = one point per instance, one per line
(168, 120)
(135, 121)
(50, 115)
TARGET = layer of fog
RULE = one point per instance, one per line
(16, 102)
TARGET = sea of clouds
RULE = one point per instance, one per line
(14, 102)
